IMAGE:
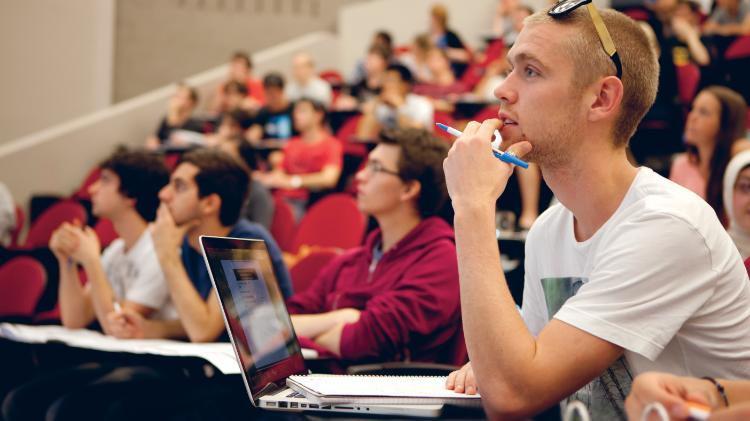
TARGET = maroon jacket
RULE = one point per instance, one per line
(410, 303)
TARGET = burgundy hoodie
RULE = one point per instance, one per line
(410, 302)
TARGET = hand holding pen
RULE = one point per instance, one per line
(503, 156)
(473, 175)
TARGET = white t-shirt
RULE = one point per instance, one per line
(415, 107)
(661, 278)
(136, 276)
(316, 88)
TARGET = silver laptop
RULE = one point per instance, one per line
(262, 334)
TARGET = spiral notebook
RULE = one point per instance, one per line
(331, 388)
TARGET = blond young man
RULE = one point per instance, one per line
(629, 273)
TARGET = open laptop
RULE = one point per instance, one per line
(262, 334)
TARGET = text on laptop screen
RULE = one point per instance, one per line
(254, 307)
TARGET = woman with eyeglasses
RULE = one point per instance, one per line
(713, 135)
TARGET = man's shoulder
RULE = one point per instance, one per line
(247, 229)
(655, 195)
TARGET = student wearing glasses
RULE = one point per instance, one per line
(629, 273)
(396, 297)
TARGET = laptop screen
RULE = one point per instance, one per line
(254, 311)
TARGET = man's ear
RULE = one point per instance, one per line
(607, 99)
(210, 204)
(411, 190)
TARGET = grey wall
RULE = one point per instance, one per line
(55, 62)
(160, 41)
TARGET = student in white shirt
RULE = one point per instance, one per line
(629, 273)
(305, 83)
(128, 272)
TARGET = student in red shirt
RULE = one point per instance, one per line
(310, 161)
(397, 296)
(240, 70)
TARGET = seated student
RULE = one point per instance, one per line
(416, 59)
(240, 71)
(259, 206)
(444, 88)
(127, 272)
(737, 201)
(714, 133)
(204, 197)
(382, 39)
(235, 97)
(396, 106)
(729, 18)
(179, 119)
(674, 393)
(629, 273)
(231, 126)
(683, 37)
(274, 120)
(396, 297)
(305, 82)
(502, 21)
(448, 41)
(311, 161)
(371, 83)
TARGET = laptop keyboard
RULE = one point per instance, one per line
(294, 394)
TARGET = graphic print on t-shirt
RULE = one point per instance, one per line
(605, 395)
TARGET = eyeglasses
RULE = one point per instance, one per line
(563, 7)
(376, 167)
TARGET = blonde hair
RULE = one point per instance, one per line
(640, 66)
(440, 13)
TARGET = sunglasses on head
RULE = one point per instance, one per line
(564, 7)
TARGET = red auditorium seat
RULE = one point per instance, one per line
(333, 77)
(307, 269)
(105, 231)
(41, 230)
(333, 221)
(22, 281)
(740, 48)
(347, 133)
(637, 14)
(283, 225)
(445, 118)
(688, 77)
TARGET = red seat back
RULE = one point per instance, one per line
(41, 230)
(688, 76)
(334, 221)
(22, 282)
(105, 231)
(283, 224)
(740, 48)
(307, 269)
(445, 118)
(333, 77)
(345, 134)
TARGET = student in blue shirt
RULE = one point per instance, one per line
(204, 197)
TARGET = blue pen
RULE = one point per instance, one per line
(503, 156)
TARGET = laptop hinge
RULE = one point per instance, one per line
(268, 389)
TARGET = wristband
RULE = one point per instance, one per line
(295, 181)
(720, 388)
